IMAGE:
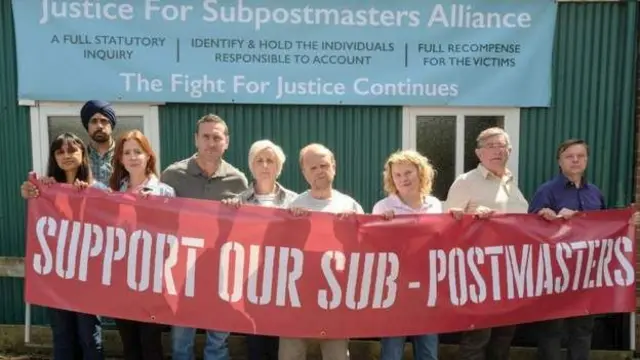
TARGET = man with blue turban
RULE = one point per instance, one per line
(99, 118)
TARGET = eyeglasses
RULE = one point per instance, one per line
(494, 146)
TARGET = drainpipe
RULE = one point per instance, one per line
(628, 106)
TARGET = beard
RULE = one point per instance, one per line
(100, 137)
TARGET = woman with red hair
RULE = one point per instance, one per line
(134, 171)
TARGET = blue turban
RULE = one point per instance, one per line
(93, 107)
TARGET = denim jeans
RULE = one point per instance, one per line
(182, 340)
(76, 336)
(425, 347)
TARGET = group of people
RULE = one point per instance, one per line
(128, 164)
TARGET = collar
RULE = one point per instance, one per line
(508, 176)
(90, 148)
(152, 182)
(396, 201)
(250, 194)
(562, 179)
(194, 169)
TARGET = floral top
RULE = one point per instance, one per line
(153, 186)
(99, 185)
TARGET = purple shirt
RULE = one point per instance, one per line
(560, 192)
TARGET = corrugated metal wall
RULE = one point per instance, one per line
(593, 98)
(361, 138)
(15, 157)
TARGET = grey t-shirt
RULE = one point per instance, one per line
(188, 180)
(338, 203)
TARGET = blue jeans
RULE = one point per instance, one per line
(425, 347)
(76, 336)
(182, 340)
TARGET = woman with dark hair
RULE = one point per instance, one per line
(75, 335)
(134, 171)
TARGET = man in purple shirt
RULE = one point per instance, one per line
(562, 197)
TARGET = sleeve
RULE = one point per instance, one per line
(167, 177)
(245, 182)
(241, 196)
(541, 199)
(603, 203)
(358, 208)
(168, 191)
(378, 208)
(238, 185)
(437, 206)
(295, 201)
(457, 198)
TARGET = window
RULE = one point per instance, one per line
(51, 119)
(447, 136)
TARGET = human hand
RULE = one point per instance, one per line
(388, 215)
(29, 190)
(548, 214)
(483, 212)
(232, 202)
(566, 213)
(80, 185)
(296, 211)
(456, 213)
(344, 215)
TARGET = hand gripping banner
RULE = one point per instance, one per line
(261, 270)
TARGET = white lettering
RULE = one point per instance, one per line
(52, 9)
(167, 12)
(363, 87)
(108, 245)
(463, 16)
(382, 279)
(624, 245)
(286, 281)
(38, 266)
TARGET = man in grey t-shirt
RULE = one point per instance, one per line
(319, 168)
(206, 176)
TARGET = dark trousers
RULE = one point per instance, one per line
(262, 347)
(76, 336)
(486, 344)
(140, 341)
(579, 331)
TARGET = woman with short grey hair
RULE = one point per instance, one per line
(266, 161)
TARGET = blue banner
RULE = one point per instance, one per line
(375, 52)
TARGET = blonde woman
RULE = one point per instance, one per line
(266, 160)
(408, 180)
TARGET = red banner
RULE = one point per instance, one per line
(261, 270)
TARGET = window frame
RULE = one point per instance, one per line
(41, 111)
(511, 126)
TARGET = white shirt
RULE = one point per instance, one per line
(267, 200)
(337, 203)
(430, 205)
